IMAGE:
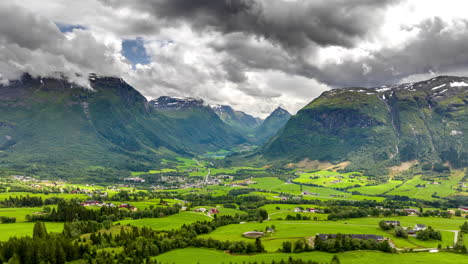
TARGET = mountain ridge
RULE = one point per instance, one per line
(425, 120)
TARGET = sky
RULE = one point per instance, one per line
(254, 55)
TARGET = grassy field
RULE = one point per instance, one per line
(284, 214)
(169, 222)
(19, 213)
(25, 229)
(293, 230)
(323, 193)
(444, 189)
(436, 222)
(333, 179)
(67, 196)
(376, 189)
(208, 256)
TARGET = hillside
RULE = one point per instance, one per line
(238, 120)
(425, 121)
(196, 125)
(272, 124)
(54, 128)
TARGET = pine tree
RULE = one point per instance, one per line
(335, 260)
(40, 230)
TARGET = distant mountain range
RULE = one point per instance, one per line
(53, 127)
(374, 127)
(254, 128)
(239, 120)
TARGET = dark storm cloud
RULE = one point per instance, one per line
(292, 24)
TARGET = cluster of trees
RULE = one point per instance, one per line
(429, 233)
(298, 246)
(68, 211)
(346, 243)
(436, 213)
(138, 243)
(384, 226)
(41, 248)
(297, 217)
(7, 220)
(400, 232)
(460, 245)
(28, 201)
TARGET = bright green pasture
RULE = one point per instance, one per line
(376, 189)
(209, 256)
(446, 188)
(284, 214)
(223, 211)
(271, 208)
(25, 229)
(67, 196)
(436, 222)
(169, 222)
(329, 178)
(19, 213)
(277, 185)
(292, 230)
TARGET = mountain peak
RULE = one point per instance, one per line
(176, 103)
(237, 119)
(280, 111)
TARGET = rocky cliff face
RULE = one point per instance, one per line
(426, 121)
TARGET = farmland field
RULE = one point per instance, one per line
(444, 189)
(293, 230)
(376, 189)
(169, 222)
(206, 256)
(24, 229)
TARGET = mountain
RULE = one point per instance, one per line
(272, 124)
(194, 121)
(425, 121)
(239, 120)
(53, 127)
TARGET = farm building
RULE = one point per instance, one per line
(393, 223)
(419, 227)
(412, 211)
(213, 211)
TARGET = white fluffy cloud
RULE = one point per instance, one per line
(252, 54)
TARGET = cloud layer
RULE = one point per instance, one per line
(251, 54)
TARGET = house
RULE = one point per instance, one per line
(202, 210)
(412, 211)
(128, 206)
(135, 179)
(297, 210)
(464, 209)
(214, 211)
(393, 223)
(92, 203)
(419, 227)
(353, 236)
(310, 210)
